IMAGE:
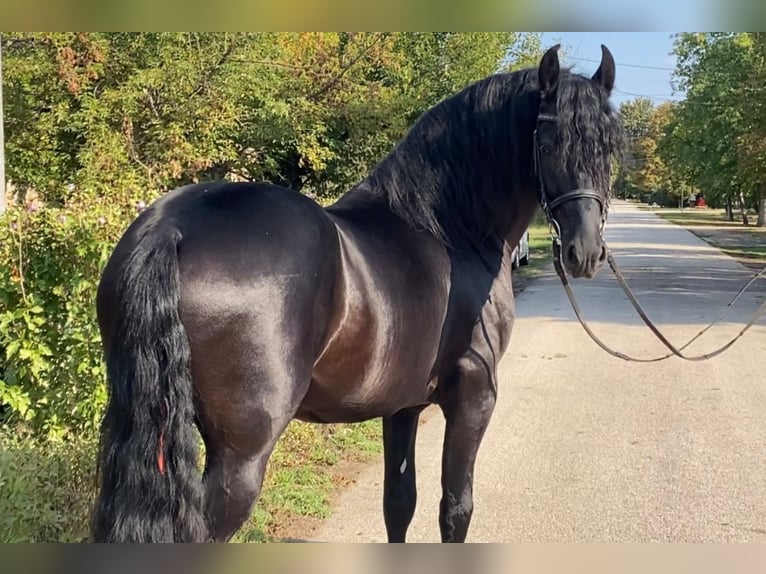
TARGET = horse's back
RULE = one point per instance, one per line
(247, 233)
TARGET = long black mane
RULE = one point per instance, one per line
(463, 158)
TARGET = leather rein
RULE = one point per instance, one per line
(549, 206)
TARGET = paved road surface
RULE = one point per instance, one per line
(584, 447)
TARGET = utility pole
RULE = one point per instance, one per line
(2, 135)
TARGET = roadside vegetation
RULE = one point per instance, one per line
(540, 252)
(701, 162)
(745, 243)
(98, 125)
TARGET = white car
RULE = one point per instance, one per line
(521, 252)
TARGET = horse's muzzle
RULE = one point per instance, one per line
(583, 259)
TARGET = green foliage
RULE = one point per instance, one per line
(97, 122)
(126, 115)
(47, 489)
(646, 171)
(717, 138)
(714, 141)
(51, 371)
(636, 115)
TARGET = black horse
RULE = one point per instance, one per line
(238, 307)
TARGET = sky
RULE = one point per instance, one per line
(644, 60)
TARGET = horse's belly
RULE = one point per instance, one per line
(362, 380)
(320, 407)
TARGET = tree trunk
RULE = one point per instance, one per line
(729, 209)
(762, 207)
(743, 208)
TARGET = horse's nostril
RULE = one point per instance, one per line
(602, 256)
(573, 255)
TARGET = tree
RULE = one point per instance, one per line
(752, 143)
(716, 136)
(645, 170)
(636, 115)
(130, 115)
(122, 115)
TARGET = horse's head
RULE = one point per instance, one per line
(577, 134)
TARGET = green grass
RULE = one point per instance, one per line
(709, 218)
(703, 218)
(694, 217)
(539, 249)
(747, 243)
(300, 477)
(48, 487)
(754, 252)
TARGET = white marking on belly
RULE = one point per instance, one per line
(403, 467)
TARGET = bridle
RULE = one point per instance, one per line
(602, 200)
(579, 193)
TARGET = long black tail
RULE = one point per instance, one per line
(150, 487)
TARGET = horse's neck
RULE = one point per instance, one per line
(505, 198)
(515, 214)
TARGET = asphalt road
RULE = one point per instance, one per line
(584, 447)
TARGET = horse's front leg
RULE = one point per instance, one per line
(467, 400)
(399, 491)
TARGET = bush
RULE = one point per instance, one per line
(48, 489)
(52, 379)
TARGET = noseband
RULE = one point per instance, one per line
(579, 193)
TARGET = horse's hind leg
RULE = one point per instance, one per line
(234, 474)
(467, 400)
(399, 491)
(243, 409)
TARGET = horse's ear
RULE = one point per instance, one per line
(606, 70)
(548, 71)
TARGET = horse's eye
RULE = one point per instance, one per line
(545, 149)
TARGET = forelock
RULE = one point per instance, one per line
(590, 128)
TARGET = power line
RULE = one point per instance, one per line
(666, 97)
(716, 103)
(664, 69)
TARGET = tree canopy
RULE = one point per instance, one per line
(129, 115)
(645, 169)
(713, 141)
